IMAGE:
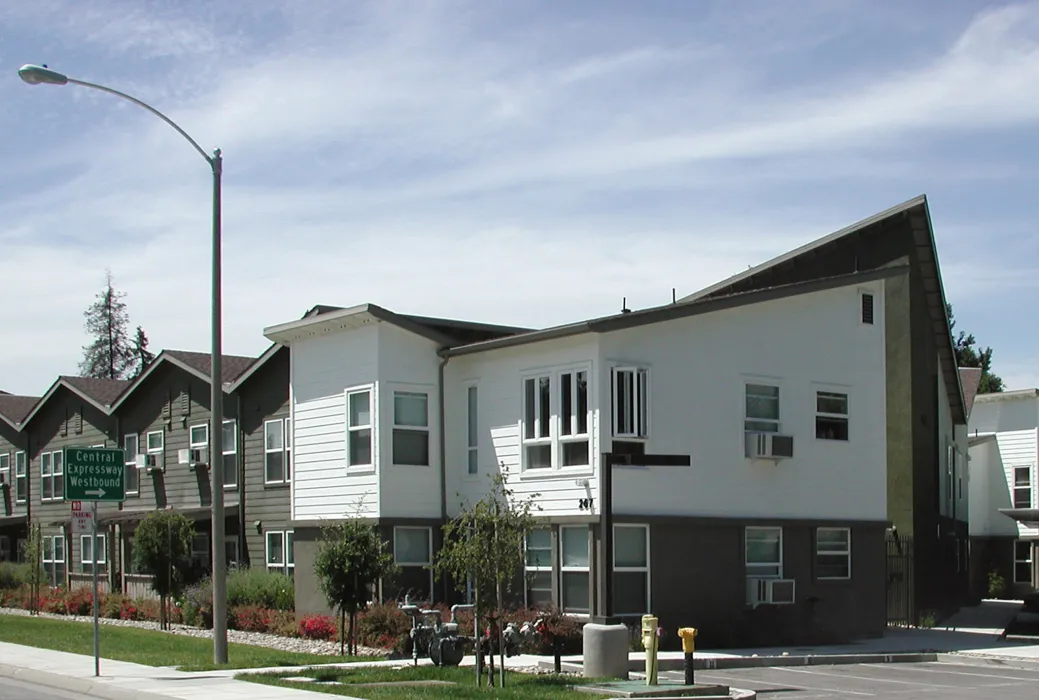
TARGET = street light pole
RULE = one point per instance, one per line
(42, 75)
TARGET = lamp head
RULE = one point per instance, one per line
(41, 75)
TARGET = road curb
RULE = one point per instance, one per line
(731, 662)
(93, 688)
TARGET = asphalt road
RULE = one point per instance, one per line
(903, 681)
(17, 690)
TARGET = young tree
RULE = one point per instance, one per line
(485, 545)
(32, 553)
(162, 549)
(142, 357)
(969, 356)
(351, 557)
(110, 352)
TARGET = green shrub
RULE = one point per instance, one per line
(261, 588)
(13, 576)
(997, 585)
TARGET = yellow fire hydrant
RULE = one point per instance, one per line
(688, 635)
(649, 643)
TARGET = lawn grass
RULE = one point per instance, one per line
(148, 647)
(525, 686)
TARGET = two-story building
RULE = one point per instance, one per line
(926, 412)
(14, 475)
(777, 526)
(1004, 516)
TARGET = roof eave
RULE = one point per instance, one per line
(162, 357)
(106, 410)
(322, 324)
(232, 386)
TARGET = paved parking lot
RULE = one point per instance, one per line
(964, 680)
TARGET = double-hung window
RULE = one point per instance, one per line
(574, 569)
(539, 568)
(280, 553)
(630, 396)
(198, 439)
(411, 428)
(156, 445)
(1022, 487)
(831, 415)
(574, 440)
(1023, 561)
(54, 559)
(229, 454)
(21, 477)
(5, 469)
(764, 552)
(131, 448)
(413, 553)
(275, 451)
(833, 552)
(762, 408)
(90, 556)
(52, 476)
(472, 430)
(631, 569)
(537, 422)
(359, 429)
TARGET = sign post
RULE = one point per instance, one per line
(94, 474)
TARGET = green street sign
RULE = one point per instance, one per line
(94, 474)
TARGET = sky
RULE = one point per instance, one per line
(524, 162)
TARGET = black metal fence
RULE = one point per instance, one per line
(901, 604)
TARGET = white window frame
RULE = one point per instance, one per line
(50, 546)
(404, 427)
(160, 450)
(428, 564)
(283, 450)
(639, 388)
(575, 436)
(5, 469)
(1027, 488)
(635, 569)
(131, 463)
(198, 444)
(563, 570)
(288, 563)
(370, 426)
(55, 474)
(761, 425)
(754, 569)
(83, 561)
(229, 451)
(539, 424)
(552, 423)
(21, 476)
(540, 567)
(846, 552)
(1027, 561)
(472, 428)
(833, 394)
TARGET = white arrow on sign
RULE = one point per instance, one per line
(99, 493)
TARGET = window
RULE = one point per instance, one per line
(229, 455)
(831, 415)
(413, 553)
(156, 444)
(280, 551)
(411, 428)
(86, 554)
(764, 554)
(54, 559)
(762, 408)
(1022, 487)
(539, 568)
(359, 428)
(5, 469)
(574, 567)
(473, 442)
(231, 552)
(833, 552)
(537, 417)
(198, 436)
(573, 419)
(200, 551)
(867, 308)
(52, 476)
(21, 478)
(275, 452)
(631, 569)
(131, 448)
(5, 548)
(630, 387)
(1023, 562)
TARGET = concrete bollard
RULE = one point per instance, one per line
(605, 651)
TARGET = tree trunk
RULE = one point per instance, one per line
(501, 638)
(352, 646)
(342, 631)
(477, 650)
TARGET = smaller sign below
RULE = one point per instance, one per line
(82, 520)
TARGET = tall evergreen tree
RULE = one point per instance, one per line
(142, 357)
(110, 353)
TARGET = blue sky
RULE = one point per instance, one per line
(526, 163)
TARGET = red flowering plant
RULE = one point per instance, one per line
(320, 627)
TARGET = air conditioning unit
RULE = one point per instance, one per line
(193, 456)
(150, 462)
(770, 591)
(772, 446)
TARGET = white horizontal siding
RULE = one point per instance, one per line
(1018, 449)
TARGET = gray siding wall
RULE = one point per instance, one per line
(11, 442)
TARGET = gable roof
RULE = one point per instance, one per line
(445, 332)
(914, 217)
(99, 393)
(676, 310)
(14, 409)
(256, 366)
(970, 379)
(197, 364)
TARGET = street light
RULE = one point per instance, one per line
(42, 75)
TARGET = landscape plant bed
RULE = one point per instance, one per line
(406, 682)
(147, 647)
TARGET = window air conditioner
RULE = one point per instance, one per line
(761, 445)
(770, 591)
(151, 462)
(193, 456)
